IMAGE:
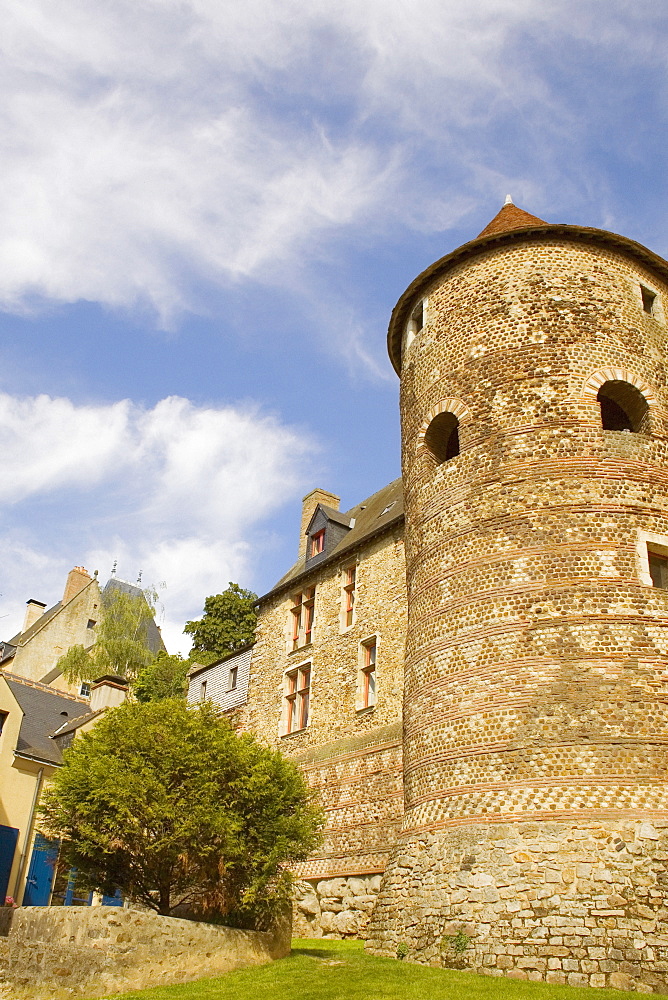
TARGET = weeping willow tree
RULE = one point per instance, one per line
(121, 645)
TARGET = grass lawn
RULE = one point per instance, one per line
(333, 970)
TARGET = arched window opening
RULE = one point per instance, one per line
(442, 437)
(623, 407)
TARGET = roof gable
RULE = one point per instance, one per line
(365, 520)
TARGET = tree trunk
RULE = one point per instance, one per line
(164, 909)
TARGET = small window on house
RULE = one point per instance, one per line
(349, 585)
(3, 719)
(367, 686)
(84, 690)
(623, 407)
(442, 437)
(91, 623)
(202, 691)
(302, 613)
(649, 300)
(232, 680)
(316, 544)
(658, 568)
(296, 698)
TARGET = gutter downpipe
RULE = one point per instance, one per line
(28, 835)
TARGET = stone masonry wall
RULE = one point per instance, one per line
(69, 627)
(352, 756)
(91, 952)
(581, 904)
(536, 680)
(334, 908)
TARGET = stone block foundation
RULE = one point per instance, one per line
(336, 907)
(95, 951)
(580, 906)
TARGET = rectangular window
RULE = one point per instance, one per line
(317, 543)
(232, 682)
(297, 697)
(91, 623)
(302, 612)
(3, 717)
(658, 569)
(84, 690)
(202, 691)
(349, 595)
(368, 674)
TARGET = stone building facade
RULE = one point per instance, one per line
(323, 682)
(534, 678)
(535, 468)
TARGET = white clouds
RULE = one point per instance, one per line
(174, 490)
(148, 146)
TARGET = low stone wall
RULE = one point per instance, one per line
(95, 951)
(581, 906)
(335, 908)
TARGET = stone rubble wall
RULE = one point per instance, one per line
(578, 905)
(52, 952)
(335, 908)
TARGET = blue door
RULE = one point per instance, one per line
(8, 837)
(41, 872)
(115, 900)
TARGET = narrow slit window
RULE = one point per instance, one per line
(648, 300)
(417, 317)
(349, 595)
(369, 673)
(232, 680)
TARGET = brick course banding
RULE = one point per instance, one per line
(536, 671)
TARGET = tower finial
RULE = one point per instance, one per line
(509, 200)
(113, 568)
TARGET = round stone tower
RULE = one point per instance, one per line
(534, 392)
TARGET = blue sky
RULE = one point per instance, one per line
(209, 210)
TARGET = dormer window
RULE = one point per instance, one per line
(316, 544)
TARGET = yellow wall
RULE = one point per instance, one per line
(18, 781)
(67, 628)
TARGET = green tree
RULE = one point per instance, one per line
(164, 677)
(167, 803)
(121, 644)
(228, 622)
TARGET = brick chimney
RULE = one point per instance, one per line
(309, 504)
(108, 692)
(77, 579)
(34, 610)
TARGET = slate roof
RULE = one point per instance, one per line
(372, 516)
(43, 713)
(153, 636)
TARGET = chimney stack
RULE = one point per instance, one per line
(34, 610)
(77, 579)
(108, 692)
(309, 504)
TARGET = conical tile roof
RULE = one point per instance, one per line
(510, 217)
